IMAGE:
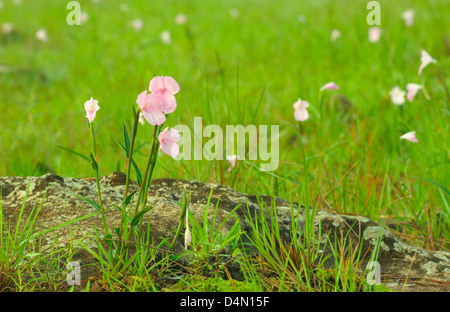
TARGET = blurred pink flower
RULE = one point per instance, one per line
(330, 86)
(149, 104)
(232, 159)
(374, 34)
(91, 107)
(168, 140)
(412, 89)
(300, 112)
(425, 59)
(165, 87)
(408, 16)
(180, 19)
(410, 136)
(397, 95)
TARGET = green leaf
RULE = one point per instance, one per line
(138, 173)
(435, 183)
(126, 140)
(73, 152)
(140, 215)
(128, 199)
(90, 201)
(94, 162)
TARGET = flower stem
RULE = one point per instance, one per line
(130, 157)
(143, 188)
(94, 152)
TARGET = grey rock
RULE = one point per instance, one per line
(403, 267)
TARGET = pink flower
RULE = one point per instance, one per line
(330, 86)
(168, 140)
(425, 59)
(410, 136)
(397, 95)
(91, 107)
(408, 16)
(374, 34)
(412, 89)
(149, 104)
(232, 159)
(300, 112)
(165, 87)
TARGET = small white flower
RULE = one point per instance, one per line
(397, 96)
(165, 37)
(408, 16)
(41, 35)
(7, 28)
(335, 34)
(137, 24)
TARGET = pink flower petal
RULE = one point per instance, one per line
(167, 140)
(171, 85)
(412, 89)
(410, 136)
(156, 83)
(425, 59)
(300, 112)
(91, 107)
(330, 86)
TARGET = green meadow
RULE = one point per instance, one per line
(243, 63)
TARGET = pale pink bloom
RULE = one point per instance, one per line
(168, 140)
(137, 24)
(41, 35)
(410, 136)
(374, 34)
(426, 59)
(300, 112)
(83, 17)
(187, 233)
(232, 159)
(408, 16)
(149, 104)
(412, 89)
(166, 87)
(397, 95)
(180, 19)
(165, 37)
(330, 86)
(335, 34)
(91, 107)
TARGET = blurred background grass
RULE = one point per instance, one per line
(225, 64)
